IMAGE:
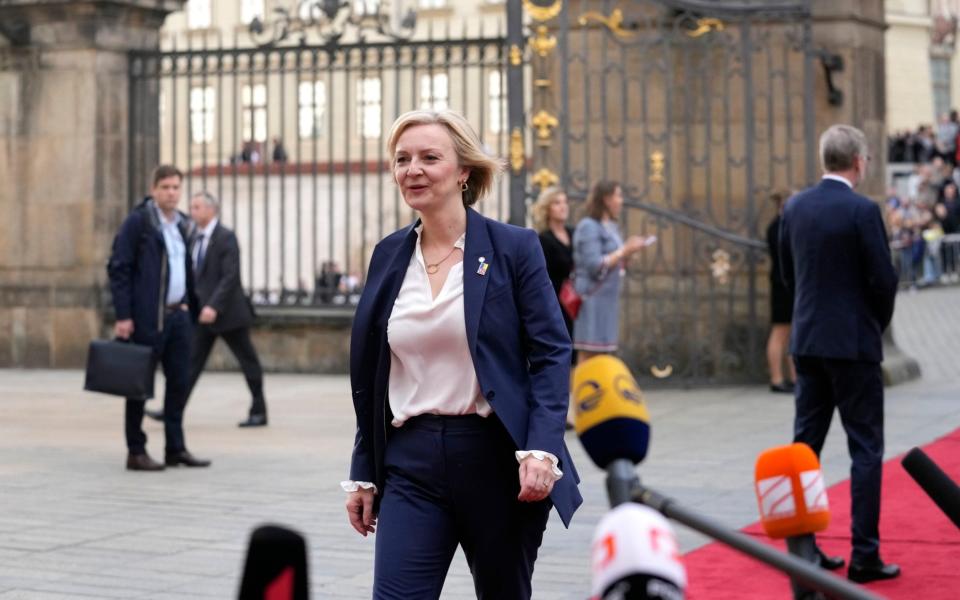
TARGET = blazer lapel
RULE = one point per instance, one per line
(214, 236)
(393, 278)
(477, 247)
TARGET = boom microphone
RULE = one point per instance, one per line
(636, 557)
(610, 415)
(276, 566)
(937, 484)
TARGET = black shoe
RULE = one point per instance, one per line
(156, 415)
(186, 459)
(142, 462)
(782, 388)
(874, 570)
(254, 421)
(830, 563)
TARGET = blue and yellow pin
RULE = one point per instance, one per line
(484, 265)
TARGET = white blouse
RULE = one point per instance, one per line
(431, 369)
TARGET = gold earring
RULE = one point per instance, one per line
(463, 186)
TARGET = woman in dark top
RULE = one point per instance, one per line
(781, 309)
(550, 213)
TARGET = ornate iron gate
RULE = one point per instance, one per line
(701, 110)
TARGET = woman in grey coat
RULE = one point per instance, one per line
(599, 257)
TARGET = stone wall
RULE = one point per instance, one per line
(63, 160)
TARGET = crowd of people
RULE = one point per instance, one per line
(922, 209)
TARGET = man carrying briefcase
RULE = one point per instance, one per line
(151, 280)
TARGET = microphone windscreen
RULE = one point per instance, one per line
(610, 415)
(276, 566)
(937, 484)
(636, 556)
(790, 491)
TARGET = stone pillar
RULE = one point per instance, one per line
(64, 148)
(853, 29)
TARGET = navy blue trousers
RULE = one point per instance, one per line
(173, 353)
(450, 481)
(854, 388)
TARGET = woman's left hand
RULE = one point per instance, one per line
(536, 479)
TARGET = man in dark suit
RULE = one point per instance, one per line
(151, 282)
(834, 251)
(226, 310)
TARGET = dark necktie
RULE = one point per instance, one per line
(201, 250)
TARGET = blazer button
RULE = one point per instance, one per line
(490, 395)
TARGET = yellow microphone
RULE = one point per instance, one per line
(611, 416)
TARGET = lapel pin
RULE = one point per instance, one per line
(482, 269)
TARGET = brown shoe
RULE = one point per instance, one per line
(142, 462)
(186, 459)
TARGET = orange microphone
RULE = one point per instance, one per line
(793, 501)
(790, 492)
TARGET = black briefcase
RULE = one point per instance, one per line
(121, 369)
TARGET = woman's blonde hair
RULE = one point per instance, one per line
(470, 152)
(540, 210)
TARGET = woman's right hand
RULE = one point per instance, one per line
(360, 511)
(634, 244)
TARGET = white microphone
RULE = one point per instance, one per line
(636, 556)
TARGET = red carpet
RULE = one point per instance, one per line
(914, 533)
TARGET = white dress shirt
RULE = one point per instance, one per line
(833, 177)
(442, 380)
(176, 257)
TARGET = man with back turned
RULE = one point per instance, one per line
(834, 251)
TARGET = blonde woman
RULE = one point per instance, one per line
(460, 376)
(550, 213)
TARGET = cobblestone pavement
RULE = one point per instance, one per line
(74, 524)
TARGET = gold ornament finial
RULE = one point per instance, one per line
(542, 43)
(517, 155)
(657, 164)
(544, 178)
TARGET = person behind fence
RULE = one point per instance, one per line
(781, 308)
(151, 281)
(460, 375)
(834, 251)
(599, 258)
(550, 213)
(226, 311)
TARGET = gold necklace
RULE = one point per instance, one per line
(432, 269)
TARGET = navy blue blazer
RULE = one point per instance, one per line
(138, 272)
(517, 338)
(834, 250)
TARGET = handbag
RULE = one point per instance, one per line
(120, 368)
(570, 300)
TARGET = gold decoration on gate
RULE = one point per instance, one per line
(544, 122)
(705, 26)
(543, 44)
(663, 373)
(720, 267)
(614, 22)
(543, 13)
(517, 155)
(657, 164)
(544, 178)
(516, 55)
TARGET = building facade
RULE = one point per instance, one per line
(923, 72)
